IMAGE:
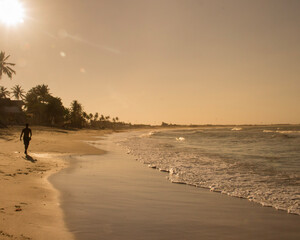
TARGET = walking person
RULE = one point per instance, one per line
(26, 133)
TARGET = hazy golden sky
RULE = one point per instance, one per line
(179, 61)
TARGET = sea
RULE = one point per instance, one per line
(258, 163)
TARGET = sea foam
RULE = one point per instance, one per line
(239, 169)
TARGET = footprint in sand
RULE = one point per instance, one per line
(18, 208)
(10, 175)
(25, 238)
(6, 234)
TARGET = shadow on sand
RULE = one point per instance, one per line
(29, 158)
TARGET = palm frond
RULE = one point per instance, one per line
(10, 69)
(6, 57)
(5, 66)
(11, 64)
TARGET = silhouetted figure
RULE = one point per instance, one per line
(27, 137)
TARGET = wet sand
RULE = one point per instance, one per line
(29, 205)
(112, 196)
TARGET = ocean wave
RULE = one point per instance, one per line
(197, 131)
(148, 134)
(287, 133)
(268, 131)
(236, 129)
(290, 133)
(252, 181)
(180, 139)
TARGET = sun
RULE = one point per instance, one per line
(11, 12)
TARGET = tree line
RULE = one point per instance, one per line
(40, 107)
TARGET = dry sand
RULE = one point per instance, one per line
(29, 205)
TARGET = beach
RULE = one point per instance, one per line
(151, 120)
(98, 191)
(29, 205)
(113, 196)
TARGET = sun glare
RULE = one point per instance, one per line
(11, 12)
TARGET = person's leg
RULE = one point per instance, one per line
(26, 143)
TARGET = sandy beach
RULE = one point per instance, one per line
(100, 191)
(174, 120)
(29, 205)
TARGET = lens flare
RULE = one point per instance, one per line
(11, 12)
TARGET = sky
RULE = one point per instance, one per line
(177, 61)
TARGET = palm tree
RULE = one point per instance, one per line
(4, 93)
(96, 116)
(18, 92)
(5, 66)
(43, 92)
(76, 111)
(54, 111)
(85, 116)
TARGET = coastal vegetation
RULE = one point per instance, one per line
(38, 106)
(5, 67)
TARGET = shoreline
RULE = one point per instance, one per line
(29, 203)
(44, 215)
(116, 197)
(166, 160)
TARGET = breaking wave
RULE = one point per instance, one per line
(221, 162)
